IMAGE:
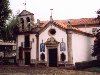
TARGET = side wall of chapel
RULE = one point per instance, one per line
(21, 40)
(82, 47)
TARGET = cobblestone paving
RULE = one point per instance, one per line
(15, 70)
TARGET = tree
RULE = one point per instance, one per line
(96, 47)
(11, 29)
(4, 15)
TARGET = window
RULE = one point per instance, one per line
(14, 47)
(62, 46)
(22, 23)
(42, 57)
(42, 47)
(22, 44)
(33, 40)
(63, 57)
(28, 19)
(27, 40)
(52, 31)
(29, 27)
(22, 26)
(22, 20)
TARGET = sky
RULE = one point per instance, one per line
(62, 9)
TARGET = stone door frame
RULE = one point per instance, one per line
(51, 43)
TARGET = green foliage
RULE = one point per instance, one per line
(96, 47)
(4, 15)
(11, 29)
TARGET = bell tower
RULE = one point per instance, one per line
(26, 21)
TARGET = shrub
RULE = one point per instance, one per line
(86, 64)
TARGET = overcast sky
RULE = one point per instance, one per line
(62, 9)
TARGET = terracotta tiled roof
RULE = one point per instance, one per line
(84, 21)
(62, 23)
(73, 22)
(43, 23)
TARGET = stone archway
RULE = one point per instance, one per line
(52, 52)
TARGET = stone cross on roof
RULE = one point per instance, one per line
(25, 4)
(51, 19)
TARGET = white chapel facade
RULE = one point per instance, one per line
(54, 42)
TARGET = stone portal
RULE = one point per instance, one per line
(52, 46)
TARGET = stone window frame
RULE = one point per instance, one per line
(52, 31)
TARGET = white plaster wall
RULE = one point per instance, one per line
(20, 39)
(33, 50)
(81, 46)
(58, 36)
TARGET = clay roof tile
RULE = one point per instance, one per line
(73, 22)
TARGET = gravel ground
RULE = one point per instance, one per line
(26, 70)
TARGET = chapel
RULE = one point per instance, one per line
(54, 42)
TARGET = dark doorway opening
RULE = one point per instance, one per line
(27, 41)
(53, 57)
(20, 53)
(27, 58)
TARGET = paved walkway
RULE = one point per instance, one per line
(26, 70)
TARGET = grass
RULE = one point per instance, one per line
(93, 69)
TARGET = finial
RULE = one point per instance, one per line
(25, 4)
(51, 11)
(51, 19)
(69, 25)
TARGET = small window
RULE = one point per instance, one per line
(28, 19)
(22, 44)
(63, 57)
(22, 20)
(22, 23)
(33, 40)
(52, 31)
(29, 27)
(42, 57)
(22, 26)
